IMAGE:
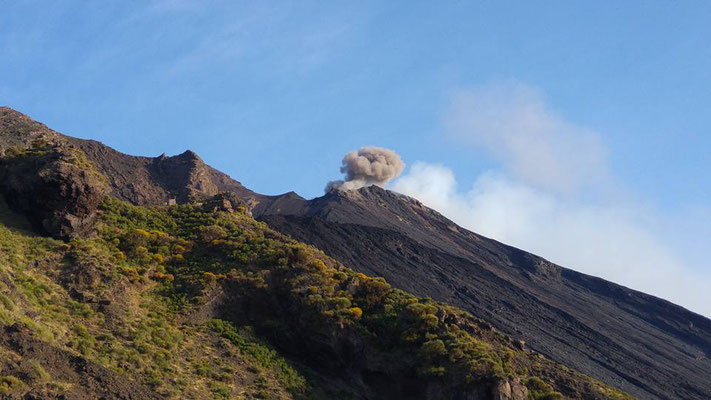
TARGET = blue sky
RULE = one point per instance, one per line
(274, 93)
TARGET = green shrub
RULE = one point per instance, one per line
(262, 355)
(9, 384)
(220, 391)
(36, 373)
(433, 349)
(540, 390)
(6, 302)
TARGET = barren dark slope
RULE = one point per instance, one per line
(639, 343)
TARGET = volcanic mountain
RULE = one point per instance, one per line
(643, 345)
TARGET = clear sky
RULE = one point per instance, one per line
(562, 127)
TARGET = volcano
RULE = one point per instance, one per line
(641, 344)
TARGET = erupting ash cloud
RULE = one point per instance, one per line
(368, 166)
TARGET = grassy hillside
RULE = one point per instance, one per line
(200, 301)
(86, 298)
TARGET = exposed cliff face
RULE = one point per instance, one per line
(639, 343)
(155, 180)
(55, 187)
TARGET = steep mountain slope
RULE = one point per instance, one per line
(629, 340)
(175, 302)
(185, 301)
(641, 344)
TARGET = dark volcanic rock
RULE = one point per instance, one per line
(55, 187)
(139, 180)
(643, 345)
(156, 180)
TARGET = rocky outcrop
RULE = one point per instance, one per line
(54, 186)
(18, 130)
(510, 389)
(157, 180)
(139, 180)
(59, 187)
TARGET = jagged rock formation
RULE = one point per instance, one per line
(139, 180)
(155, 180)
(55, 186)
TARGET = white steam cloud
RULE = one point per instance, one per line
(534, 145)
(555, 196)
(368, 166)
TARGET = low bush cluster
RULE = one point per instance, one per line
(296, 299)
(275, 274)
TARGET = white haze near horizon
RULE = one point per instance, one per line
(556, 195)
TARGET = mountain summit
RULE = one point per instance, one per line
(644, 345)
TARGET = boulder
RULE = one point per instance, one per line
(55, 186)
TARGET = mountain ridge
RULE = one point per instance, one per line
(137, 179)
(630, 340)
(531, 295)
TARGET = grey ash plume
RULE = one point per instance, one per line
(368, 166)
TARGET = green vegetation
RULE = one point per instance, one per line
(126, 299)
(9, 383)
(141, 336)
(199, 247)
(540, 390)
(44, 151)
(262, 355)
